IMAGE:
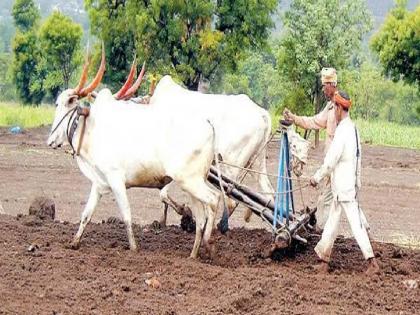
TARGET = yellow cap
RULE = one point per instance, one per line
(328, 75)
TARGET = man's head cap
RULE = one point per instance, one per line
(342, 99)
(328, 75)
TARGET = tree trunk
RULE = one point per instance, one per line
(317, 105)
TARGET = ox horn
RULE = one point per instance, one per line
(136, 84)
(119, 95)
(95, 82)
(84, 75)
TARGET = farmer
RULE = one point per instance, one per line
(323, 120)
(342, 163)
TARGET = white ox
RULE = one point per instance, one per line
(127, 145)
(242, 129)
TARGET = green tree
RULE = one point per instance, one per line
(194, 40)
(25, 14)
(377, 97)
(60, 45)
(256, 76)
(7, 89)
(24, 67)
(319, 33)
(398, 44)
(26, 54)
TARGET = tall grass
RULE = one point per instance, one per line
(25, 116)
(379, 133)
(389, 134)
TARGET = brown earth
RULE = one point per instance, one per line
(39, 275)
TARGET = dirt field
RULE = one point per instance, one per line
(39, 275)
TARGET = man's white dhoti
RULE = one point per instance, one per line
(357, 225)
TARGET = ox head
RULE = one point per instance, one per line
(299, 147)
(68, 100)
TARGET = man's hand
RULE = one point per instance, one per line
(288, 115)
(313, 182)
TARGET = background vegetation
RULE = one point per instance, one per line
(270, 50)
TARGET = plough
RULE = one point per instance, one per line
(284, 220)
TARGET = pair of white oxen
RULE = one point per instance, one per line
(174, 139)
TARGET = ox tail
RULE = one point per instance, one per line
(224, 222)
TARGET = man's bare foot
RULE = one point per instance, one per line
(321, 268)
(318, 230)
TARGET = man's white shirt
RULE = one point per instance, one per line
(341, 161)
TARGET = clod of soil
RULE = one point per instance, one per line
(114, 220)
(43, 208)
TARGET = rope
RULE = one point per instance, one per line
(248, 169)
(285, 192)
(257, 172)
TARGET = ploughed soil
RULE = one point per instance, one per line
(39, 274)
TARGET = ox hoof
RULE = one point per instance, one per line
(193, 256)
(162, 223)
(157, 227)
(209, 251)
(133, 247)
(322, 268)
(187, 223)
(247, 215)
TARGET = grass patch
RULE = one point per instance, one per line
(25, 116)
(389, 134)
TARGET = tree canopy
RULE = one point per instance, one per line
(25, 14)
(194, 39)
(60, 45)
(319, 33)
(398, 44)
(26, 52)
(24, 67)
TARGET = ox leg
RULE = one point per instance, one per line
(200, 222)
(163, 194)
(209, 198)
(120, 193)
(168, 201)
(90, 207)
(164, 217)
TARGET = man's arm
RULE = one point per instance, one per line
(319, 121)
(332, 157)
